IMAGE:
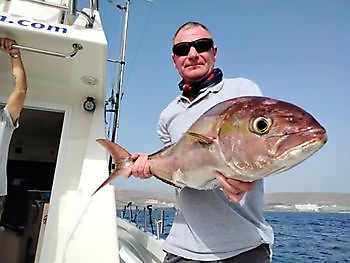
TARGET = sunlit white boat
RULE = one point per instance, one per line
(54, 162)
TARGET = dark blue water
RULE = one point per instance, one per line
(299, 237)
(310, 237)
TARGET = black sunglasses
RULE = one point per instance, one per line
(201, 45)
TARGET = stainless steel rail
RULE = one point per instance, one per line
(71, 10)
(144, 217)
(76, 48)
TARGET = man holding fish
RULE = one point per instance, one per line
(225, 224)
(223, 137)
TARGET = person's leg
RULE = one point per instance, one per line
(2, 204)
(260, 254)
(171, 258)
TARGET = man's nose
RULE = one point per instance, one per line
(193, 52)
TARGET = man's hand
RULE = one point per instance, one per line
(6, 46)
(234, 190)
(141, 168)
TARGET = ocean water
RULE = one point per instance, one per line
(310, 237)
(299, 236)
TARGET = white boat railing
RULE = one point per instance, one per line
(144, 217)
(76, 48)
(70, 10)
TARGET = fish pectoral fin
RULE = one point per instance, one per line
(200, 137)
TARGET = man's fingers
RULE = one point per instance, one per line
(141, 167)
(223, 181)
(243, 186)
(6, 45)
(235, 197)
(234, 190)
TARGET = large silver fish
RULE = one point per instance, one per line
(244, 138)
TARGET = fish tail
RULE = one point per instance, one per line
(118, 153)
(121, 158)
(110, 178)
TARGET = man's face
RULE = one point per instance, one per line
(194, 66)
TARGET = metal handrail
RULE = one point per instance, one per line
(71, 9)
(76, 48)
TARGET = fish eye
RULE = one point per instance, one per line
(261, 125)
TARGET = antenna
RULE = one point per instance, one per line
(118, 94)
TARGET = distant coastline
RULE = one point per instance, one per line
(313, 202)
(305, 202)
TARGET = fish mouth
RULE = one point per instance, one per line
(307, 140)
(298, 154)
(317, 135)
(324, 137)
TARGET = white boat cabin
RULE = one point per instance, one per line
(54, 161)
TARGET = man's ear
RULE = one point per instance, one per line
(215, 51)
(173, 58)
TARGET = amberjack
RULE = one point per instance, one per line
(244, 138)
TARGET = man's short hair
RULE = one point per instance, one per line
(189, 25)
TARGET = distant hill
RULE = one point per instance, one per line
(334, 202)
(143, 198)
(273, 201)
(340, 199)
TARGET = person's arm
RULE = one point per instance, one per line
(141, 167)
(16, 99)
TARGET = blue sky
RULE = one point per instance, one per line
(298, 51)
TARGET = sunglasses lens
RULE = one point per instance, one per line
(182, 49)
(203, 45)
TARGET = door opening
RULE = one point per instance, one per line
(30, 172)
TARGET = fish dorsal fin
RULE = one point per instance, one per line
(199, 137)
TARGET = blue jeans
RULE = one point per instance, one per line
(260, 254)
